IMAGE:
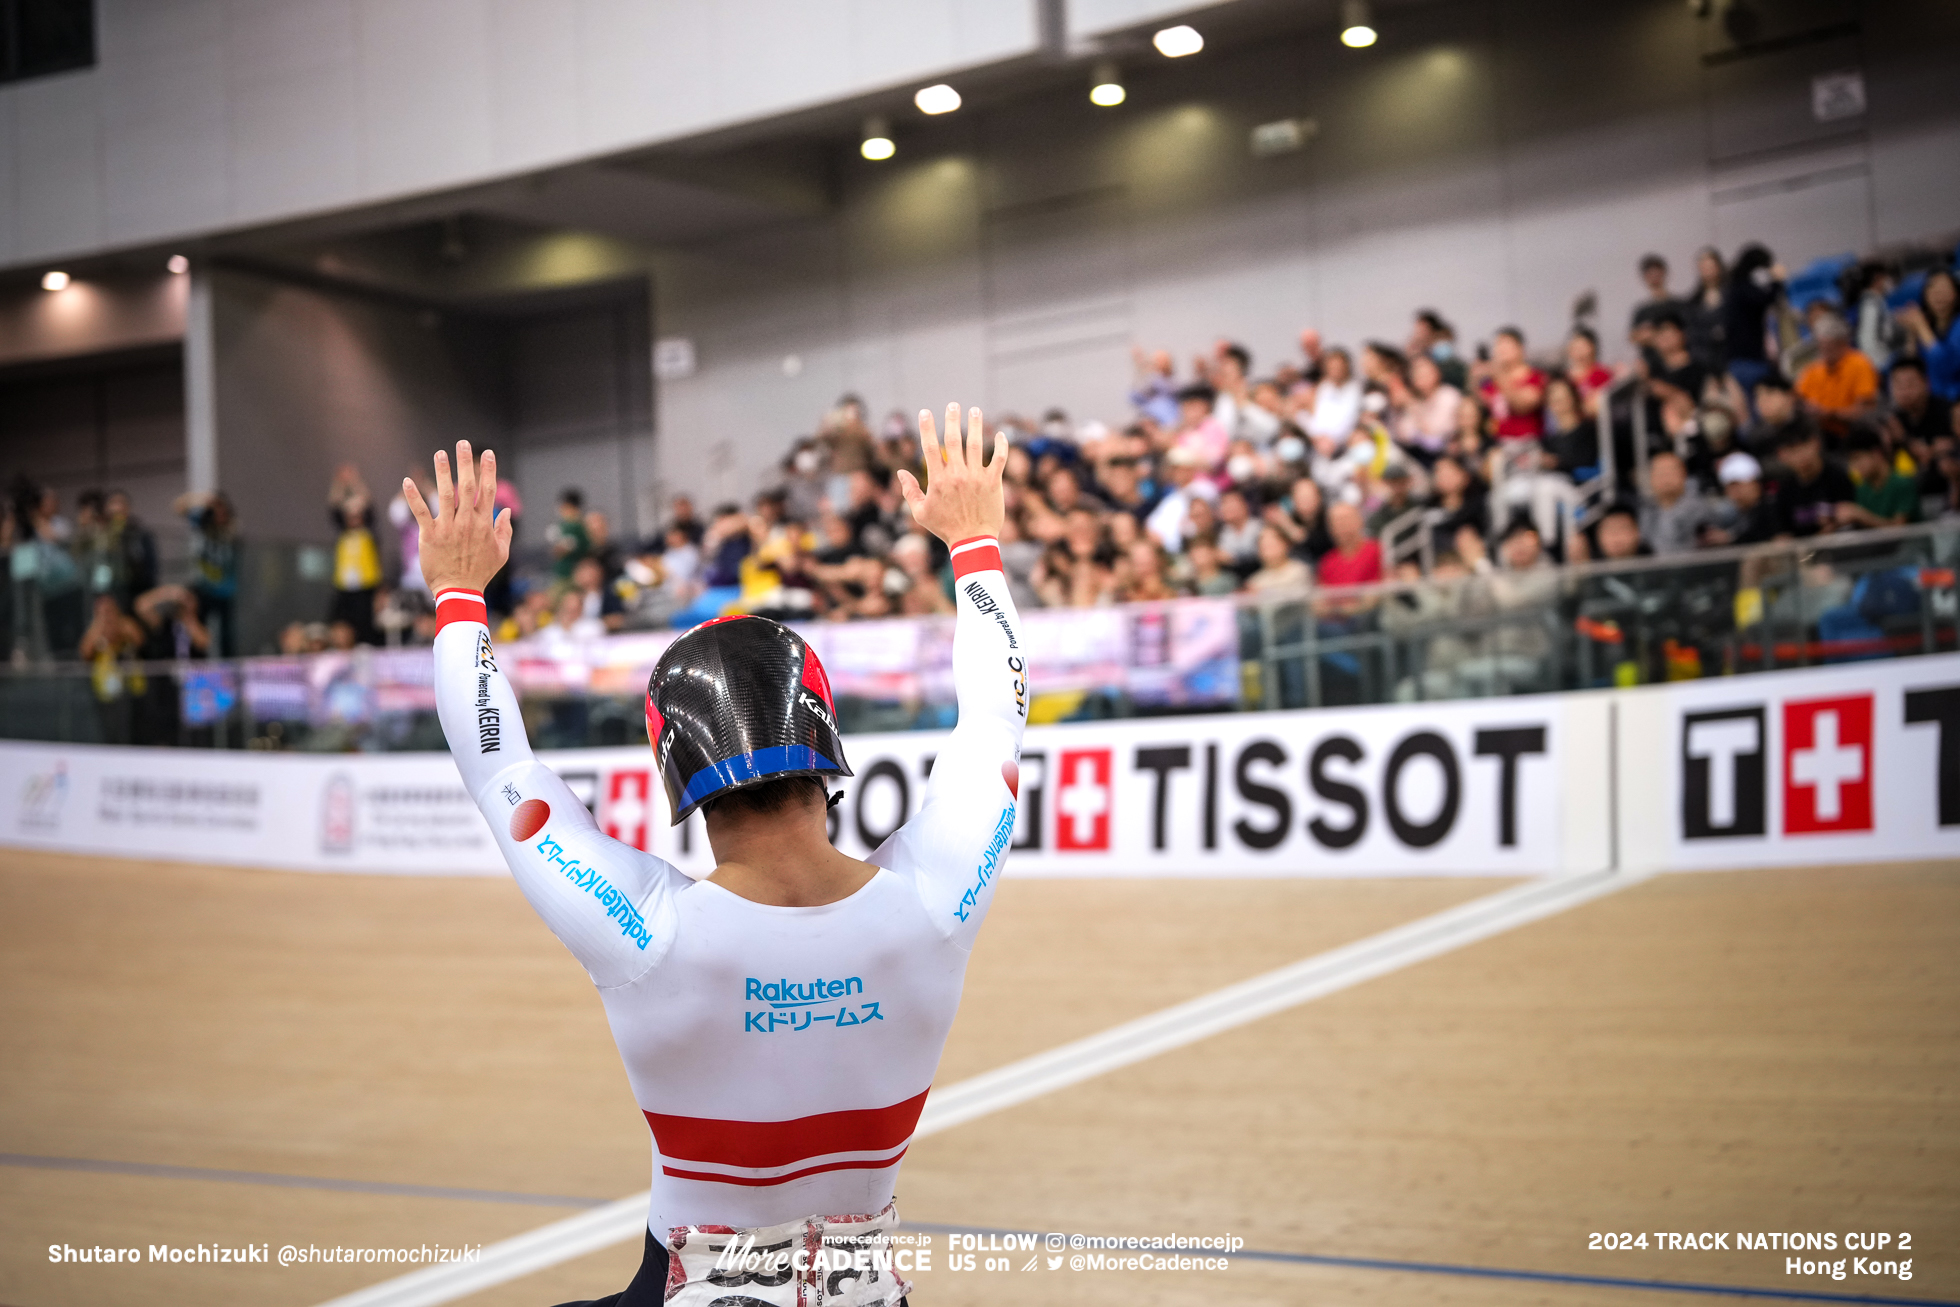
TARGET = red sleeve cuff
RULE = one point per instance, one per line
(454, 605)
(978, 554)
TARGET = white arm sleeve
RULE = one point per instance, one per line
(608, 902)
(957, 842)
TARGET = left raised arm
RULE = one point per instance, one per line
(958, 840)
(609, 903)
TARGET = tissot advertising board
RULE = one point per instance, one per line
(1847, 764)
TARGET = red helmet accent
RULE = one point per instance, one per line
(814, 679)
(655, 723)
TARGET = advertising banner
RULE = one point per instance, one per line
(1461, 788)
(1454, 788)
(1181, 653)
(1843, 764)
(361, 812)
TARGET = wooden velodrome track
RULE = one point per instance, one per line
(1759, 1051)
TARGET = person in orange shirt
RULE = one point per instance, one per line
(1841, 386)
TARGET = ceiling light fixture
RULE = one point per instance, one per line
(937, 99)
(1106, 86)
(877, 143)
(1357, 24)
(1176, 42)
(54, 281)
(178, 265)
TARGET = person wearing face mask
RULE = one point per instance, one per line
(1434, 337)
(1241, 464)
(804, 482)
(1290, 453)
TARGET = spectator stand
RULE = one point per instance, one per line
(1828, 599)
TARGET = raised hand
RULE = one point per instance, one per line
(962, 497)
(466, 541)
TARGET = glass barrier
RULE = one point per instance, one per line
(1875, 594)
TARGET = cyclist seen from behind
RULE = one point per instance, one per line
(780, 1020)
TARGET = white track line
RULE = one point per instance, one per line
(1248, 1001)
(1044, 1073)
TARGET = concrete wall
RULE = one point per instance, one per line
(307, 381)
(1493, 159)
(1490, 158)
(578, 390)
(309, 378)
(203, 115)
(91, 316)
(118, 425)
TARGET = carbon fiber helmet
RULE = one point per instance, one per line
(735, 702)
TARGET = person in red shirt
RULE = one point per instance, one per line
(1589, 376)
(1513, 390)
(1355, 559)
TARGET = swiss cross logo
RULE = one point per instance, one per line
(1827, 765)
(627, 809)
(1082, 801)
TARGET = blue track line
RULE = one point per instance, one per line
(1499, 1273)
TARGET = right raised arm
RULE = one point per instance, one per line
(958, 841)
(609, 903)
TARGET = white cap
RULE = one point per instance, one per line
(1739, 467)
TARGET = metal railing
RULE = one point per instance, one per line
(1870, 594)
(1557, 507)
(1410, 535)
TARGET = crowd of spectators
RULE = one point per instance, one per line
(1339, 467)
(87, 587)
(1768, 414)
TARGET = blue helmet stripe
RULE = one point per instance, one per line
(749, 766)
